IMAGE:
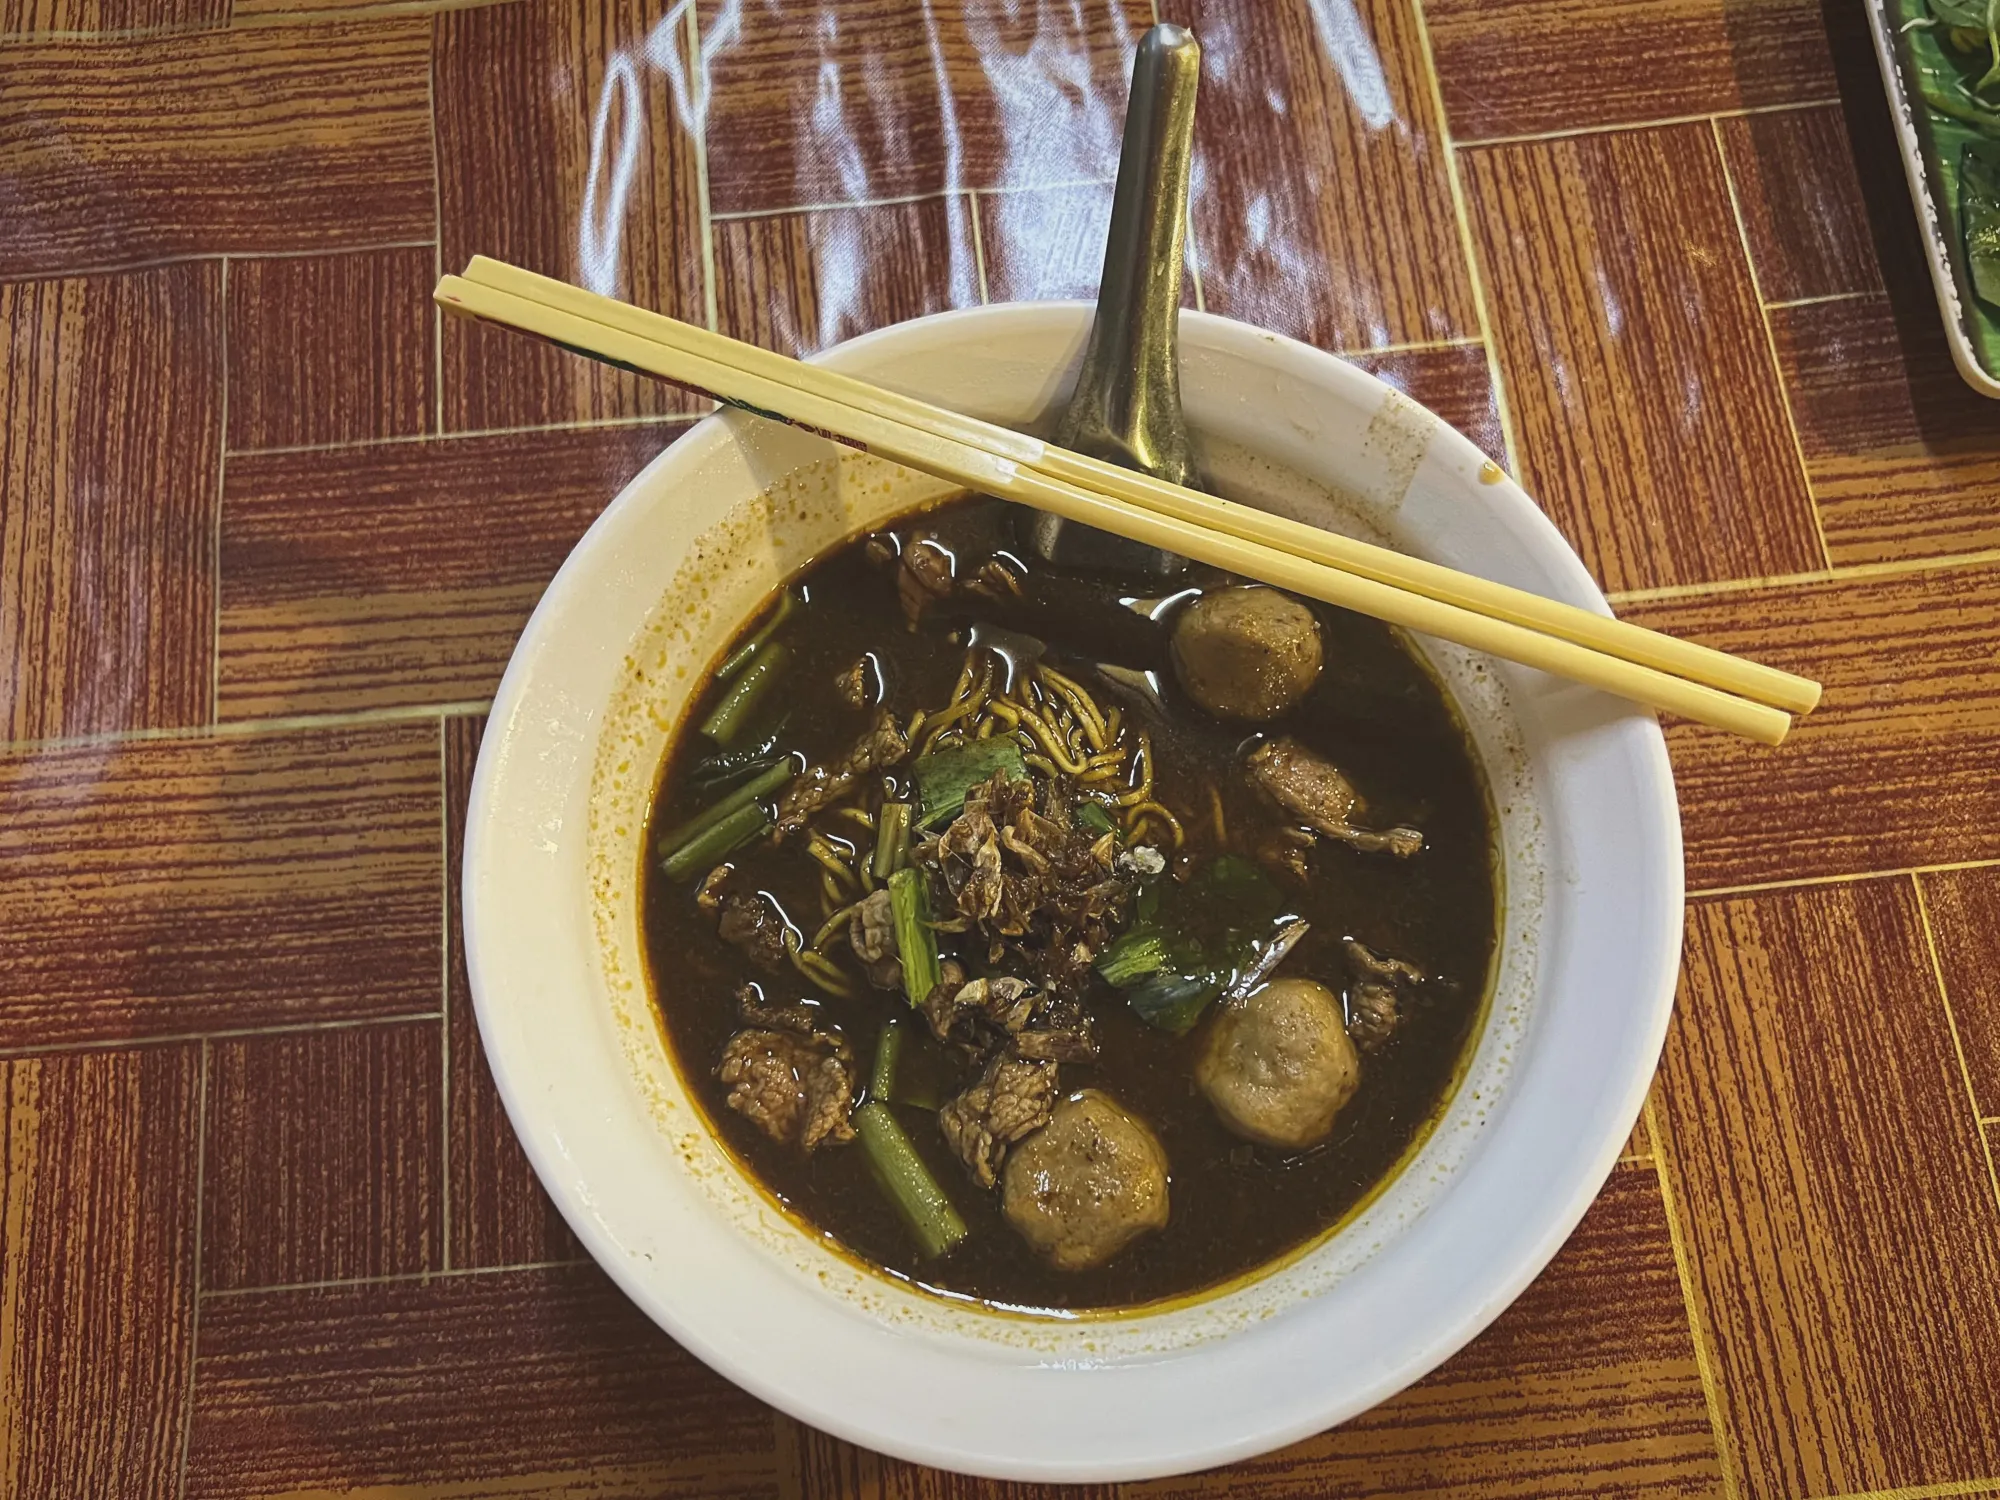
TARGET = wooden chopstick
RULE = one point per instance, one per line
(1650, 648)
(943, 451)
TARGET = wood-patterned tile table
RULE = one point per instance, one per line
(268, 530)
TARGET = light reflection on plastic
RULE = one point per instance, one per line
(598, 232)
(607, 188)
(1614, 310)
(1352, 52)
(1058, 123)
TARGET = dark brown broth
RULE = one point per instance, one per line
(1376, 712)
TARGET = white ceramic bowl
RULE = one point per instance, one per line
(1590, 841)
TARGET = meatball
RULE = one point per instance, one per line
(1246, 653)
(1086, 1184)
(1279, 1065)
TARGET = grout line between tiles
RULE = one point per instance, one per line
(1002, 189)
(278, 725)
(444, 994)
(1704, 1362)
(978, 244)
(396, 1278)
(697, 70)
(194, 1313)
(1957, 1045)
(437, 237)
(219, 1034)
(1844, 573)
(670, 419)
(112, 34)
(1416, 346)
(1634, 125)
(192, 258)
(1710, 893)
(1770, 339)
(894, 201)
(1461, 210)
(324, 250)
(221, 488)
(1821, 300)
(899, 199)
(1939, 1491)
(389, 10)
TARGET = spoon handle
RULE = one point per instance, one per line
(1127, 405)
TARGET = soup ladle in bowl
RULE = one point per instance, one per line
(1127, 405)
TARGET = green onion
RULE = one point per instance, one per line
(882, 1081)
(892, 839)
(733, 712)
(1091, 818)
(907, 1181)
(944, 776)
(740, 657)
(757, 787)
(916, 944)
(717, 841)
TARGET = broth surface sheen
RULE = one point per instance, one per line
(1375, 712)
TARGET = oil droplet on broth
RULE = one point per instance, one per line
(1491, 473)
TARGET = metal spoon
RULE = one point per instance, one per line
(1127, 405)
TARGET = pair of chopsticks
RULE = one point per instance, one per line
(1679, 677)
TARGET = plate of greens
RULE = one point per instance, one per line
(1941, 63)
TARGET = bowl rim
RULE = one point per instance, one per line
(1652, 990)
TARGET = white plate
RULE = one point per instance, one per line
(1592, 870)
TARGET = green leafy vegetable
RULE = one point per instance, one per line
(732, 715)
(906, 1181)
(1092, 818)
(944, 776)
(1133, 956)
(1979, 206)
(1189, 943)
(1174, 1002)
(916, 944)
(1969, 25)
(675, 843)
(1957, 117)
(1943, 86)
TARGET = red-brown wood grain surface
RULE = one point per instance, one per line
(269, 527)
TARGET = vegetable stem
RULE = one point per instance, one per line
(732, 714)
(892, 839)
(761, 785)
(907, 1181)
(916, 944)
(717, 841)
(740, 658)
(882, 1081)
